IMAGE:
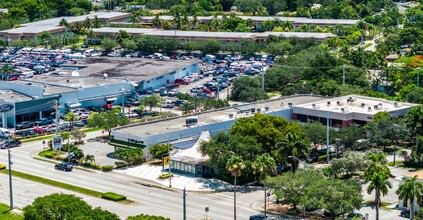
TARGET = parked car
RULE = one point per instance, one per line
(168, 104)
(24, 124)
(10, 144)
(63, 166)
(39, 130)
(355, 215)
(260, 217)
(172, 92)
(43, 121)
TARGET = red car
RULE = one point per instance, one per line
(182, 81)
(207, 90)
(13, 78)
(39, 130)
(108, 106)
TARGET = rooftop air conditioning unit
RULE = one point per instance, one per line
(328, 103)
(266, 108)
(369, 109)
(290, 104)
(342, 110)
(231, 115)
(376, 107)
(363, 105)
(191, 121)
(258, 109)
(353, 99)
(397, 105)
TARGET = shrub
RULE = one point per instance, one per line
(321, 158)
(2, 166)
(113, 196)
(95, 166)
(119, 164)
(143, 217)
(106, 168)
(166, 175)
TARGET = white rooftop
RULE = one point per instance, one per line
(355, 104)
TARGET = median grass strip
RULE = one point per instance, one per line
(40, 138)
(64, 185)
(5, 213)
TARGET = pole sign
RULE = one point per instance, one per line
(6, 107)
(57, 142)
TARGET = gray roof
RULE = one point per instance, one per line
(53, 24)
(295, 20)
(132, 69)
(208, 35)
(12, 96)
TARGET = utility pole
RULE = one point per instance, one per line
(10, 178)
(262, 78)
(170, 169)
(327, 137)
(185, 203)
(56, 107)
(343, 74)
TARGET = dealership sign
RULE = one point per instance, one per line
(6, 107)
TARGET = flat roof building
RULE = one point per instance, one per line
(347, 110)
(258, 20)
(33, 29)
(91, 82)
(150, 133)
(223, 37)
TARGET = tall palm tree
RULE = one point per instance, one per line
(295, 146)
(71, 117)
(411, 190)
(157, 23)
(379, 182)
(264, 166)
(235, 165)
(378, 175)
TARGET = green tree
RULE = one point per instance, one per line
(263, 167)
(71, 118)
(107, 120)
(151, 101)
(130, 156)
(292, 147)
(78, 135)
(108, 44)
(288, 187)
(122, 35)
(414, 120)
(63, 206)
(235, 165)
(411, 190)
(129, 44)
(247, 89)
(378, 175)
(64, 22)
(89, 158)
(335, 196)
(146, 217)
(210, 46)
(65, 135)
(158, 150)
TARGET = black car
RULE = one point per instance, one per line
(63, 166)
(405, 213)
(24, 124)
(10, 144)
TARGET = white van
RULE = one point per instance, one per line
(27, 74)
(4, 133)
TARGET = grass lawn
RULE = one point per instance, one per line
(58, 184)
(46, 137)
(6, 215)
(398, 162)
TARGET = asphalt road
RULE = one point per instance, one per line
(149, 200)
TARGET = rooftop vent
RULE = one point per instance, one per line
(231, 115)
(258, 109)
(363, 105)
(340, 103)
(328, 103)
(316, 106)
(397, 105)
(369, 109)
(266, 108)
(290, 104)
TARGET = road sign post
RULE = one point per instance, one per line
(206, 210)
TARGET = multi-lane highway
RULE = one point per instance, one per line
(149, 200)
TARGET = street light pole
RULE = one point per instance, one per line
(10, 178)
(170, 169)
(327, 137)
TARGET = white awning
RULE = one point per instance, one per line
(73, 105)
(111, 99)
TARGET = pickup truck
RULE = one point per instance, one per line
(43, 121)
(24, 124)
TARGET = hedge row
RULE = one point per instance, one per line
(113, 196)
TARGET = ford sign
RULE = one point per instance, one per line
(6, 107)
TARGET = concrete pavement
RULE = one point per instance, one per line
(151, 200)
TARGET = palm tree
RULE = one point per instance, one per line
(89, 158)
(71, 117)
(378, 174)
(379, 182)
(411, 190)
(264, 166)
(156, 21)
(295, 146)
(235, 165)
